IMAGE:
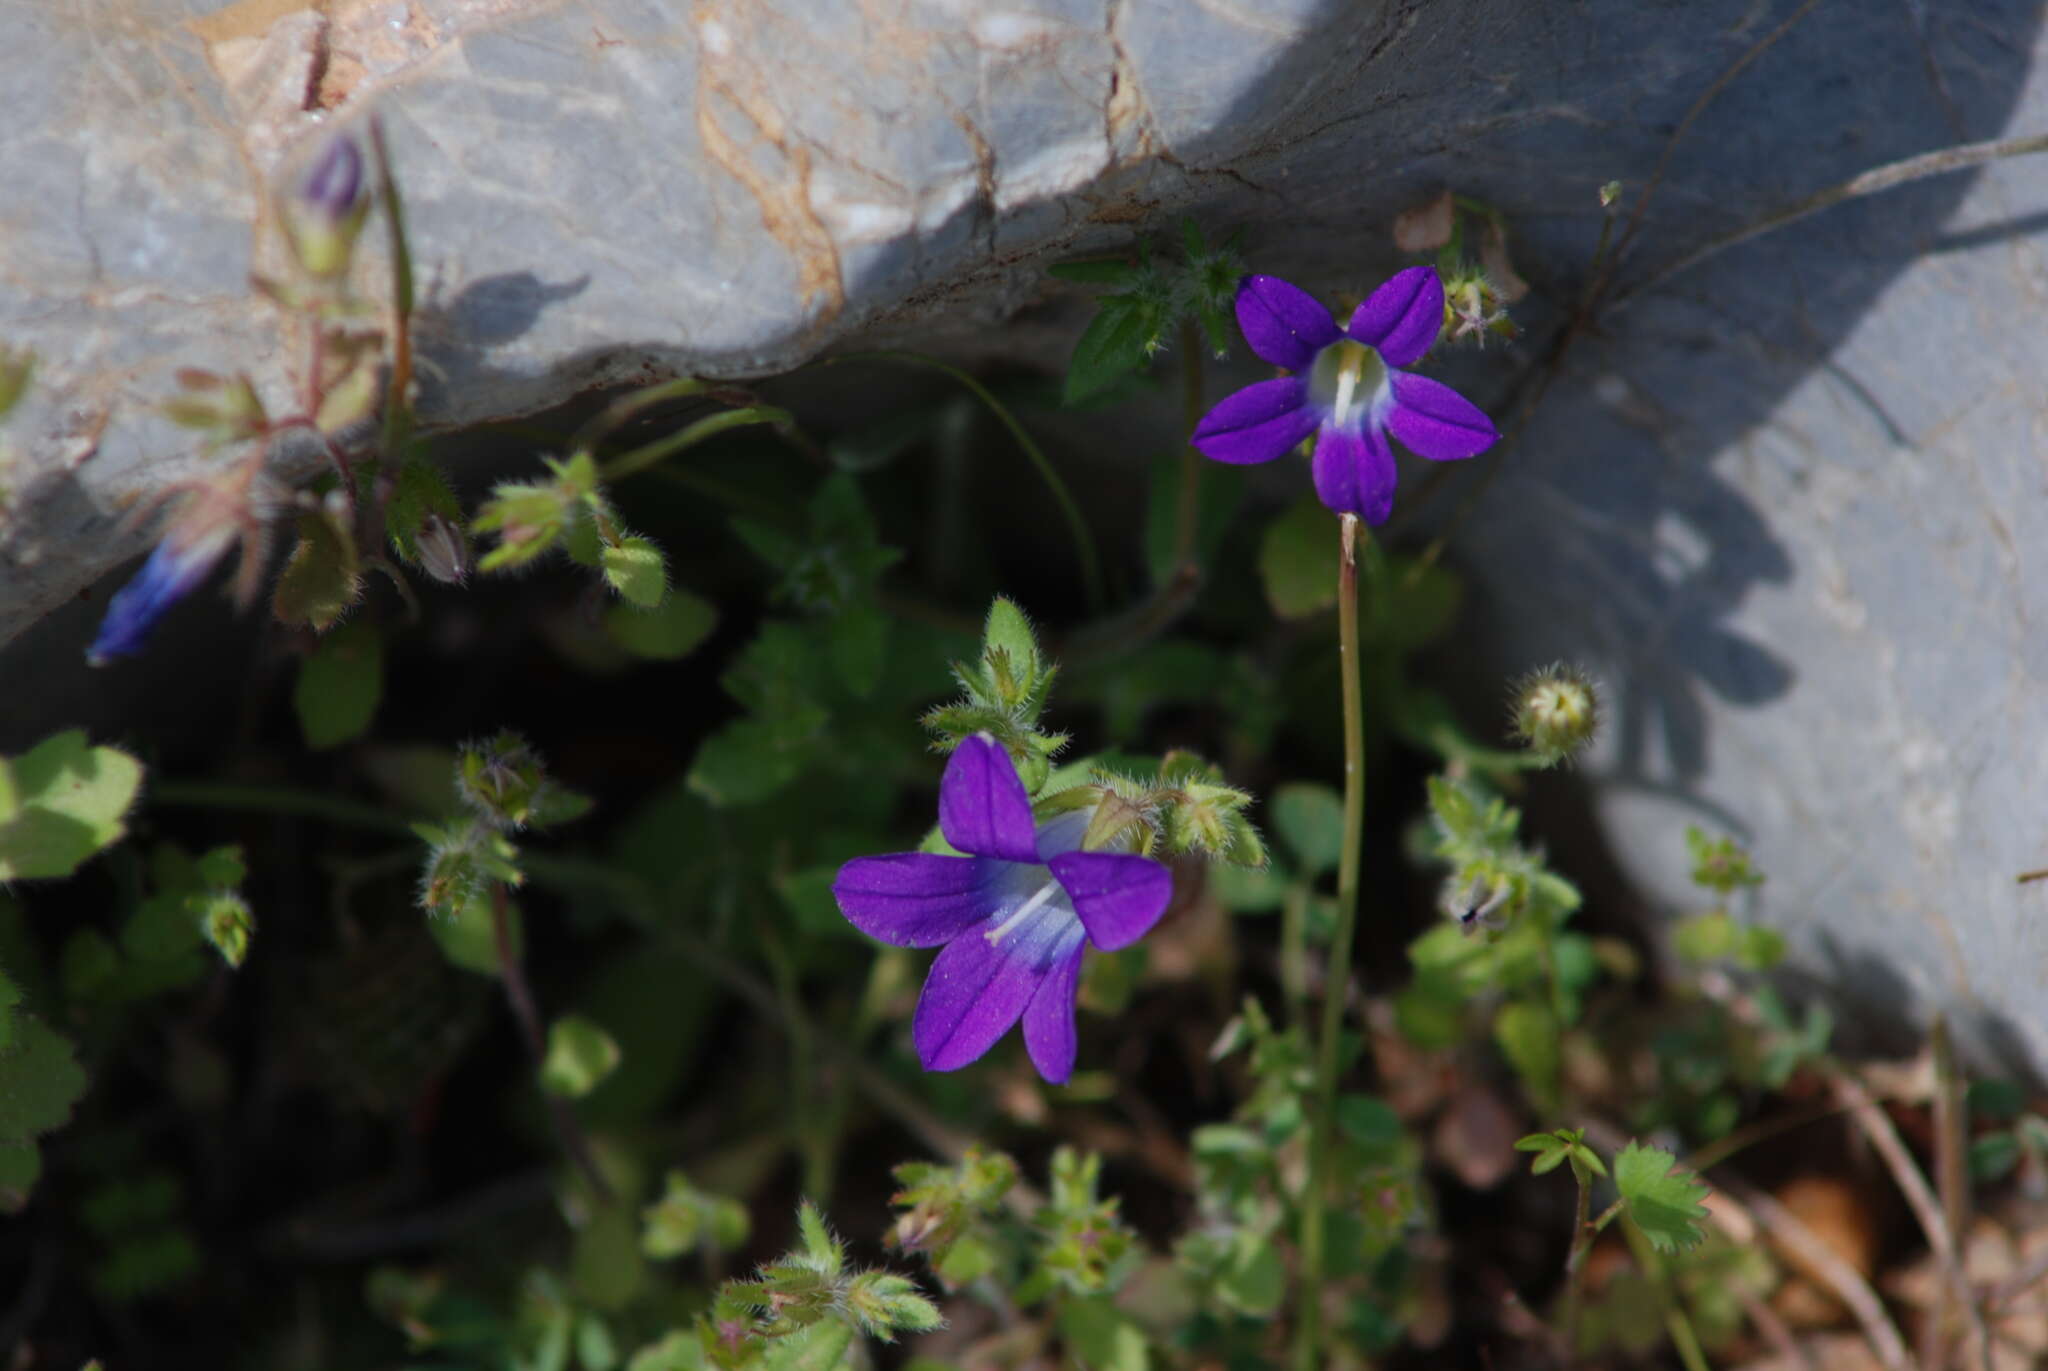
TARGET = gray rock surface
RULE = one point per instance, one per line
(1790, 505)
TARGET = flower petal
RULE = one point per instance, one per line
(1435, 421)
(1049, 1019)
(1258, 423)
(912, 899)
(1403, 317)
(1118, 897)
(983, 807)
(1355, 473)
(975, 992)
(173, 569)
(1283, 324)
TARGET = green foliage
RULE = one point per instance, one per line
(1310, 818)
(580, 1055)
(1563, 1145)
(1151, 294)
(60, 802)
(686, 1219)
(323, 576)
(670, 632)
(340, 683)
(1660, 1197)
(635, 569)
(1003, 695)
(1298, 560)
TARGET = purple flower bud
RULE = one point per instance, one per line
(336, 181)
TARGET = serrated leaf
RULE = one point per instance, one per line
(580, 1055)
(321, 579)
(1298, 560)
(1118, 341)
(70, 802)
(339, 685)
(1008, 631)
(40, 1080)
(419, 490)
(634, 567)
(1311, 818)
(1662, 1199)
(820, 1348)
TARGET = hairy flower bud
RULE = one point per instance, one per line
(323, 216)
(1556, 711)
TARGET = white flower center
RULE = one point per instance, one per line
(1024, 910)
(1347, 377)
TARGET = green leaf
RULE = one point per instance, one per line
(69, 802)
(1008, 631)
(667, 633)
(605, 1263)
(1529, 1039)
(1219, 491)
(420, 490)
(822, 1252)
(745, 762)
(1242, 890)
(1254, 1282)
(1311, 818)
(1120, 340)
(1993, 1155)
(1103, 1337)
(1661, 1198)
(635, 568)
(1704, 937)
(340, 683)
(322, 579)
(1999, 1101)
(819, 1348)
(678, 1351)
(1098, 271)
(468, 936)
(21, 1165)
(40, 1080)
(1298, 560)
(580, 1054)
(858, 638)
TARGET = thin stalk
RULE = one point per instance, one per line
(1575, 1264)
(1308, 1333)
(267, 799)
(1187, 510)
(803, 1086)
(1677, 1323)
(512, 972)
(710, 426)
(398, 384)
(609, 419)
(1084, 545)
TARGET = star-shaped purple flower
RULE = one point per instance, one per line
(1014, 916)
(1347, 389)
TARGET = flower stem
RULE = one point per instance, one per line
(1676, 1321)
(398, 382)
(710, 426)
(1322, 1137)
(1575, 1264)
(1084, 545)
(511, 971)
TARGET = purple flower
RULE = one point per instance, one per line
(1347, 390)
(178, 564)
(335, 184)
(1014, 916)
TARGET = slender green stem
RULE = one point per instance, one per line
(1677, 1323)
(1308, 1333)
(1084, 545)
(518, 994)
(815, 1149)
(1187, 509)
(397, 399)
(266, 799)
(1575, 1265)
(710, 426)
(620, 411)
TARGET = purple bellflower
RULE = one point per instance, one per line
(1015, 915)
(173, 570)
(1347, 389)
